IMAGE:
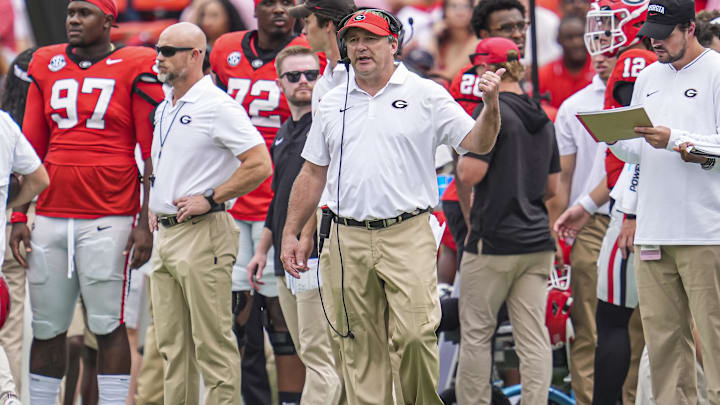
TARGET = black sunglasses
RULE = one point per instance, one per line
(294, 77)
(170, 51)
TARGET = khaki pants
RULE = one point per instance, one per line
(683, 285)
(191, 298)
(305, 320)
(150, 379)
(390, 293)
(583, 258)
(487, 282)
(11, 335)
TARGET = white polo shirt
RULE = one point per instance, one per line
(678, 202)
(330, 78)
(388, 146)
(573, 138)
(196, 143)
(16, 155)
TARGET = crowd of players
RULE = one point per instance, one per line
(86, 112)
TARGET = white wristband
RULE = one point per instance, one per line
(588, 204)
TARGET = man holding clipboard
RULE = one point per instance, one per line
(678, 221)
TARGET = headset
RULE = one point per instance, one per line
(396, 28)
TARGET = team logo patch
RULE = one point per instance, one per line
(359, 17)
(399, 104)
(257, 63)
(690, 93)
(56, 63)
(185, 119)
(234, 58)
(657, 8)
(85, 64)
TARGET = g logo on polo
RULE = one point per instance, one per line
(185, 119)
(690, 93)
(56, 63)
(399, 104)
(234, 58)
(359, 17)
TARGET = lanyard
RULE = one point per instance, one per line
(162, 118)
(163, 138)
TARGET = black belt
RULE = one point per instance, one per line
(171, 220)
(379, 223)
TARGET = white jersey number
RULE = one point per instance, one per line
(632, 67)
(241, 88)
(470, 85)
(65, 97)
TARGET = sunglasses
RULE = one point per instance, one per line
(509, 28)
(294, 77)
(170, 51)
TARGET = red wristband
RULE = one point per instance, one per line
(18, 217)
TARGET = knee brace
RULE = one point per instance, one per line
(282, 343)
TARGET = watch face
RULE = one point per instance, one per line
(209, 193)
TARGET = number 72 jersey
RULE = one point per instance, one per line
(84, 119)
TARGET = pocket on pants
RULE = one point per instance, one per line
(100, 260)
(38, 272)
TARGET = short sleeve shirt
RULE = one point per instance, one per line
(16, 156)
(196, 143)
(386, 144)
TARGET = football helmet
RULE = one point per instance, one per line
(613, 25)
(557, 315)
(4, 301)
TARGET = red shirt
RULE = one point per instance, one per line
(464, 88)
(626, 70)
(249, 76)
(84, 120)
(561, 83)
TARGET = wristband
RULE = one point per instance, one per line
(588, 204)
(18, 218)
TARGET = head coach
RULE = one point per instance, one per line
(678, 221)
(373, 141)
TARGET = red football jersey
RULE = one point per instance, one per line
(84, 119)
(626, 70)
(464, 88)
(249, 76)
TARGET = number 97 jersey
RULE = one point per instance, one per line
(84, 118)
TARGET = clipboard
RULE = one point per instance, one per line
(616, 124)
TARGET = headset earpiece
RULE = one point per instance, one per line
(395, 25)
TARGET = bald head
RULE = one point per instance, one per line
(181, 49)
(183, 34)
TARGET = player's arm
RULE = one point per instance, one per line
(146, 95)
(35, 129)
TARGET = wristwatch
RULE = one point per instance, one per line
(209, 194)
(709, 163)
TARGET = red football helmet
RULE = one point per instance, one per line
(613, 25)
(557, 315)
(4, 302)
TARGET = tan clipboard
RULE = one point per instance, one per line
(616, 124)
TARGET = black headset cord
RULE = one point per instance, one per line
(349, 333)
